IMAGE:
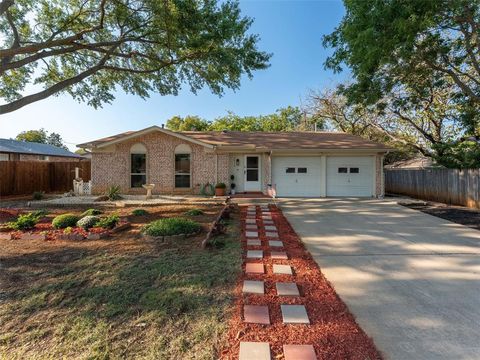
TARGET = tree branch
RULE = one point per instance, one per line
(4, 5)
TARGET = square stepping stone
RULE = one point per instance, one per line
(266, 217)
(257, 314)
(275, 243)
(279, 255)
(253, 287)
(254, 268)
(251, 221)
(253, 234)
(255, 254)
(294, 314)
(254, 351)
(267, 222)
(287, 289)
(270, 228)
(253, 242)
(299, 352)
(282, 269)
(267, 213)
(251, 227)
(271, 234)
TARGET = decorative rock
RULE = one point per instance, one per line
(294, 314)
(282, 269)
(254, 254)
(253, 242)
(287, 289)
(275, 243)
(299, 352)
(70, 237)
(254, 268)
(97, 236)
(253, 287)
(253, 234)
(122, 227)
(256, 314)
(254, 351)
(33, 236)
(279, 255)
(5, 236)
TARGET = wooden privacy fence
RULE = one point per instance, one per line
(450, 186)
(26, 177)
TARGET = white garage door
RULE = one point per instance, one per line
(350, 176)
(296, 176)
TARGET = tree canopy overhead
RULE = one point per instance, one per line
(88, 48)
(396, 43)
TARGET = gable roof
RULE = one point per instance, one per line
(25, 147)
(291, 140)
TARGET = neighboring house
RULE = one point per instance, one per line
(11, 150)
(422, 162)
(307, 164)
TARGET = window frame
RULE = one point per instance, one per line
(342, 168)
(175, 174)
(290, 168)
(302, 172)
(138, 149)
(355, 172)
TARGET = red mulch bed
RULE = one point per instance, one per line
(333, 331)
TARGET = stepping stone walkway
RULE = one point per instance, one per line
(255, 254)
(253, 287)
(254, 351)
(259, 314)
(294, 314)
(299, 352)
(287, 289)
(253, 242)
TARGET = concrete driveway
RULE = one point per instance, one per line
(412, 280)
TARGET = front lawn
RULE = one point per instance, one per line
(122, 297)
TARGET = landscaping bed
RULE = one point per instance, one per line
(457, 214)
(333, 331)
(126, 297)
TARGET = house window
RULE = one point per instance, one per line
(302, 170)
(354, 170)
(290, 170)
(4, 157)
(182, 166)
(342, 170)
(138, 165)
(43, 157)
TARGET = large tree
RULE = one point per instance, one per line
(388, 44)
(42, 136)
(88, 48)
(187, 123)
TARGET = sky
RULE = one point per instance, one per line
(291, 30)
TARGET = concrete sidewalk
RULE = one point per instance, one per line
(412, 280)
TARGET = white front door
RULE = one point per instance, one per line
(252, 173)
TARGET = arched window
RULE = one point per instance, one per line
(182, 166)
(138, 165)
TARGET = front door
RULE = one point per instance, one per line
(252, 173)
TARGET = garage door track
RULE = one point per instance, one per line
(411, 279)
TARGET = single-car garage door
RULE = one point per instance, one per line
(350, 176)
(296, 176)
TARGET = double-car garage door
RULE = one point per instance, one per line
(295, 176)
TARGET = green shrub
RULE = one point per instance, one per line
(88, 221)
(91, 212)
(194, 212)
(25, 221)
(109, 222)
(64, 220)
(113, 193)
(171, 226)
(139, 212)
(38, 195)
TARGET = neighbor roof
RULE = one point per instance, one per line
(24, 147)
(288, 140)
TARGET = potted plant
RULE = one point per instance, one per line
(232, 185)
(220, 189)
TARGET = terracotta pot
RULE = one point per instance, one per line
(219, 192)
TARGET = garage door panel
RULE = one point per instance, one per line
(296, 176)
(350, 176)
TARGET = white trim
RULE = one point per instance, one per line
(259, 170)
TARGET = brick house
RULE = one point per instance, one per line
(13, 150)
(304, 164)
